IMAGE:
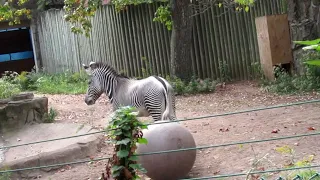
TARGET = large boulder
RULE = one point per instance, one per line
(21, 110)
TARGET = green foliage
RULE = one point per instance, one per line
(7, 175)
(304, 174)
(192, 87)
(293, 84)
(13, 12)
(180, 87)
(257, 72)
(80, 12)
(239, 5)
(163, 15)
(121, 5)
(224, 71)
(61, 83)
(51, 116)
(7, 89)
(125, 130)
(311, 45)
(307, 81)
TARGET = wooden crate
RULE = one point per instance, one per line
(274, 42)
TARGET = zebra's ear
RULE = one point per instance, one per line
(93, 65)
(87, 69)
(85, 66)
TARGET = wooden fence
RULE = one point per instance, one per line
(222, 40)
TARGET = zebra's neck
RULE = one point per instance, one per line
(111, 85)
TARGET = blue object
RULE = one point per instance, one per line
(16, 56)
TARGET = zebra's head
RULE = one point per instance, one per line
(95, 88)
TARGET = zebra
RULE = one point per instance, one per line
(150, 96)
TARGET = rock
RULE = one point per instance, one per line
(22, 96)
(22, 111)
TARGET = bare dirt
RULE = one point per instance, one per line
(213, 131)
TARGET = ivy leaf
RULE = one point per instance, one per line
(144, 126)
(116, 174)
(220, 4)
(116, 168)
(142, 141)
(313, 62)
(133, 158)
(124, 141)
(117, 132)
(138, 167)
(312, 42)
(122, 153)
(247, 9)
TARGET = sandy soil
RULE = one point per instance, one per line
(211, 131)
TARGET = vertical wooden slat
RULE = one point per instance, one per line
(121, 39)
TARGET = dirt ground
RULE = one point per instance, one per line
(220, 130)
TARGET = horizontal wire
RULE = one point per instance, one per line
(55, 165)
(230, 144)
(254, 172)
(187, 119)
(170, 151)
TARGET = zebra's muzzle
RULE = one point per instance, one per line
(89, 100)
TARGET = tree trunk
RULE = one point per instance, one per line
(181, 65)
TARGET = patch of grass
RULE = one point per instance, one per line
(62, 83)
(51, 116)
(7, 175)
(8, 89)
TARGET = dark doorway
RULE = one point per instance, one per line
(16, 52)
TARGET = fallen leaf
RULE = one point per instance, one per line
(311, 128)
(223, 129)
(216, 172)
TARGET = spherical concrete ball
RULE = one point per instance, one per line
(167, 166)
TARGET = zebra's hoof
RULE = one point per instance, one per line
(163, 137)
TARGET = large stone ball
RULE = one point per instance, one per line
(163, 137)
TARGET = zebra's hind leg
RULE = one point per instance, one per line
(154, 112)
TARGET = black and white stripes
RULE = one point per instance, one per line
(151, 96)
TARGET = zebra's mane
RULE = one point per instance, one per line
(111, 69)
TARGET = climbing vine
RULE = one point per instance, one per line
(125, 131)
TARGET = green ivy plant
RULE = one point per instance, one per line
(125, 131)
(311, 45)
(79, 12)
(163, 15)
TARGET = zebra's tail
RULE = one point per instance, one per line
(169, 112)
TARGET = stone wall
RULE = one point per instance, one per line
(21, 110)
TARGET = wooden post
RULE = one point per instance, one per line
(274, 42)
